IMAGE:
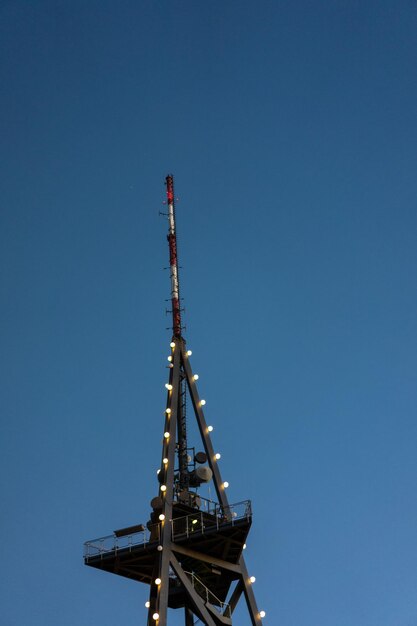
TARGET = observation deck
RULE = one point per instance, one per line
(202, 538)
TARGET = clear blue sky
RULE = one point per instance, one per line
(291, 130)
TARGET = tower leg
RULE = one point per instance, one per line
(189, 617)
(249, 595)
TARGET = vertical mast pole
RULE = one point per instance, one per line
(177, 332)
(173, 258)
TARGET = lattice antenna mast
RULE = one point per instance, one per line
(184, 477)
(173, 258)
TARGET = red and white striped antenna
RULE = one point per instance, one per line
(173, 258)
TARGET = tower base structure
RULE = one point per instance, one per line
(207, 573)
(190, 553)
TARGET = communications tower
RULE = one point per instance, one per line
(190, 552)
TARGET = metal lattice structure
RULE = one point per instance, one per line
(190, 552)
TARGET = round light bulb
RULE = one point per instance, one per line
(262, 613)
(147, 604)
(159, 548)
(155, 616)
(252, 579)
(210, 428)
(189, 352)
(168, 410)
(172, 344)
(158, 581)
(217, 456)
(244, 546)
(163, 487)
(157, 471)
(202, 402)
(169, 358)
(162, 517)
(225, 484)
(168, 386)
(166, 435)
(196, 377)
(165, 461)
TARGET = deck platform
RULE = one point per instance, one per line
(203, 539)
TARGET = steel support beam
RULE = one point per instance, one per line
(189, 617)
(205, 558)
(196, 600)
(235, 597)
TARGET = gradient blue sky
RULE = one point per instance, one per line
(291, 130)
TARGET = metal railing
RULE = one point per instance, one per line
(111, 543)
(210, 515)
(208, 596)
(215, 517)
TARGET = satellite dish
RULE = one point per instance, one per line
(200, 457)
(156, 503)
(204, 473)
